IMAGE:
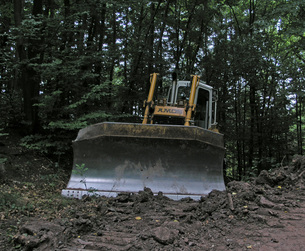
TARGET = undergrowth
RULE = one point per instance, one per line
(10, 200)
(34, 199)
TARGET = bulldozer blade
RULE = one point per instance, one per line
(179, 161)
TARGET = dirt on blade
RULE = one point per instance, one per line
(264, 214)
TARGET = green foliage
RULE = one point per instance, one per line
(81, 170)
(3, 134)
(12, 201)
(2, 160)
(11, 109)
(51, 181)
(47, 144)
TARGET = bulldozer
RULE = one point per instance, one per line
(176, 150)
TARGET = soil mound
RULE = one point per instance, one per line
(254, 215)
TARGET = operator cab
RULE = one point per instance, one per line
(205, 101)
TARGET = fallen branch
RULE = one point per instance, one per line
(300, 175)
(230, 201)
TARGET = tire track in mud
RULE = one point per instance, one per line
(282, 231)
(288, 233)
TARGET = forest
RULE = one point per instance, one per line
(68, 64)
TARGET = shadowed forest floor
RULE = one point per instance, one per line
(264, 214)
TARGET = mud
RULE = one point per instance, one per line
(266, 214)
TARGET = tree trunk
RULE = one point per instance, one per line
(299, 124)
(20, 52)
(252, 125)
(31, 80)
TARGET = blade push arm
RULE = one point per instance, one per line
(153, 81)
(191, 106)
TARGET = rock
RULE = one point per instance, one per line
(264, 178)
(279, 176)
(102, 208)
(298, 162)
(83, 225)
(40, 235)
(164, 235)
(145, 195)
(123, 197)
(174, 225)
(266, 203)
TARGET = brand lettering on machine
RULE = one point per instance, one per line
(170, 110)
